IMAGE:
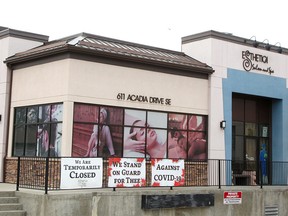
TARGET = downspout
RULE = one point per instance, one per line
(8, 121)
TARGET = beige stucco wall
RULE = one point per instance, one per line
(73, 80)
(9, 45)
(100, 83)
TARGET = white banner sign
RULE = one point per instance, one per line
(167, 172)
(126, 172)
(81, 173)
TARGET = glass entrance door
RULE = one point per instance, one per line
(251, 142)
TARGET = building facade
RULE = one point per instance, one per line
(87, 96)
(11, 41)
(249, 91)
(90, 96)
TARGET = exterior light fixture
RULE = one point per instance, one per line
(223, 124)
(254, 43)
(267, 46)
(279, 49)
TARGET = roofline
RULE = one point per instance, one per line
(84, 34)
(7, 32)
(15, 60)
(212, 34)
(230, 38)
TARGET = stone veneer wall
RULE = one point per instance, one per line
(10, 170)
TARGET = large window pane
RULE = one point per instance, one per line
(177, 121)
(31, 140)
(177, 144)
(35, 134)
(82, 133)
(113, 115)
(32, 115)
(251, 149)
(251, 111)
(86, 113)
(56, 112)
(157, 119)
(264, 110)
(238, 148)
(251, 129)
(117, 140)
(197, 146)
(197, 123)
(58, 142)
(132, 116)
(19, 141)
(133, 146)
(251, 154)
(20, 116)
(238, 128)
(238, 109)
(238, 154)
(156, 144)
(44, 113)
(43, 140)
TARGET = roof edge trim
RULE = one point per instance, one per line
(6, 32)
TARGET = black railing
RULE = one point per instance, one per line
(45, 173)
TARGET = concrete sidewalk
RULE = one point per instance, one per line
(7, 187)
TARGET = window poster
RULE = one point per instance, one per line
(49, 133)
(145, 135)
(134, 133)
(81, 173)
(106, 131)
(167, 172)
(127, 172)
(197, 142)
(97, 131)
(38, 130)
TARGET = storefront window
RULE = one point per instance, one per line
(38, 131)
(121, 132)
(251, 129)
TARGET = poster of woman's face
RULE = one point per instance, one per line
(145, 135)
(134, 140)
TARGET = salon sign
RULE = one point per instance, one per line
(167, 172)
(126, 172)
(81, 173)
(256, 62)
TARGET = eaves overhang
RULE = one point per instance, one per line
(67, 48)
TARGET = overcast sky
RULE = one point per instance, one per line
(159, 23)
